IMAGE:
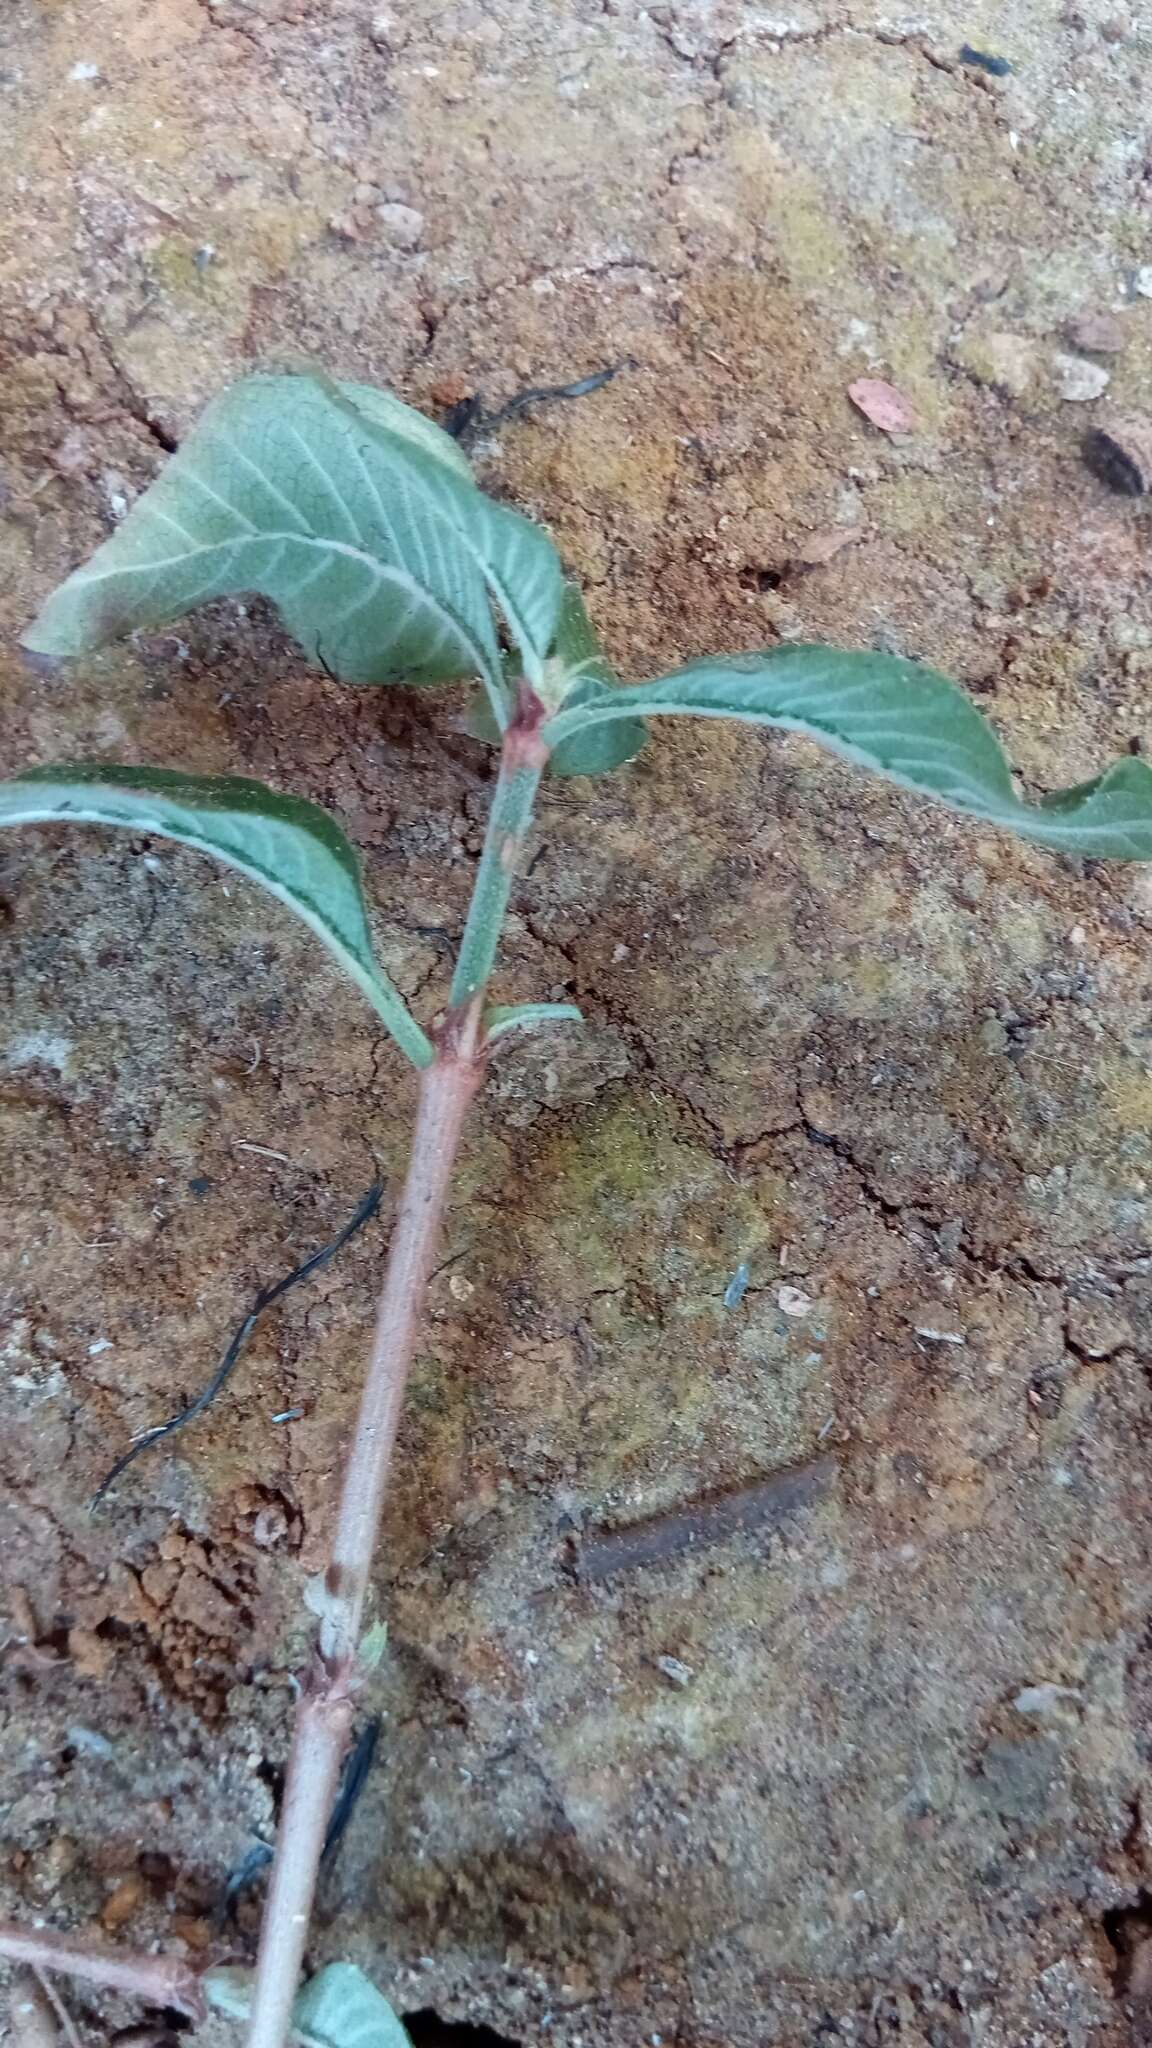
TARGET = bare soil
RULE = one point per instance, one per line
(875, 1769)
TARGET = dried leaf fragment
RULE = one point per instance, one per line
(881, 403)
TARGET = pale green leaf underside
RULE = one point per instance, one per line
(339, 2008)
(346, 510)
(291, 847)
(902, 721)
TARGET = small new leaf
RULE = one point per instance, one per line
(902, 721)
(373, 1644)
(527, 1017)
(292, 848)
(585, 678)
(355, 516)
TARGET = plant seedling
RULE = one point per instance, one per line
(362, 524)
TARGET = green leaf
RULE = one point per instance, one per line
(588, 677)
(390, 412)
(348, 511)
(339, 2008)
(526, 1017)
(901, 720)
(373, 1644)
(293, 848)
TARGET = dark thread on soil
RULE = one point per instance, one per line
(353, 1778)
(364, 1211)
(240, 1879)
(983, 60)
(468, 419)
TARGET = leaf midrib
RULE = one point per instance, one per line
(1027, 820)
(383, 571)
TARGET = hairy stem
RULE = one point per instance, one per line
(324, 1718)
(157, 1980)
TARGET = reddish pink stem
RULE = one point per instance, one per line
(324, 1718)
(158, 1980)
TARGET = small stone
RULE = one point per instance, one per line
(1078, 380)
(1098, 1326)
(402, 224)
(1100, 334)
(56, 1861)
(1039, 1700)
(677, 1673)
(122, 1902)
(91, 1654)
(1003, 362)
(197, 1933)
(1142, 282)
(1119, 451)
(794, 1301)
(452, 390)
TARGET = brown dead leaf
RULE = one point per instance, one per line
(881, 403)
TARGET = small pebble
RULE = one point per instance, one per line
(89, 1741)
(794, 1301)
(1142, 282)
(1001, 361)
(1101, 334)
(1040, 1699)
(402, 224)
(677, 1673)
(123, 1903)
(1079, 380)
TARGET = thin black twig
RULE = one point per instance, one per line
(364, 1211)
(353, 1779)
(466, 421)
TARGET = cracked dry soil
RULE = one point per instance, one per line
(875, 1769)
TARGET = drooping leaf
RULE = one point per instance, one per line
(344, 508)
(904, 722)
(390, 412)
(589, 677)
(527, 1017)
(338, 2008)
(293, 848)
